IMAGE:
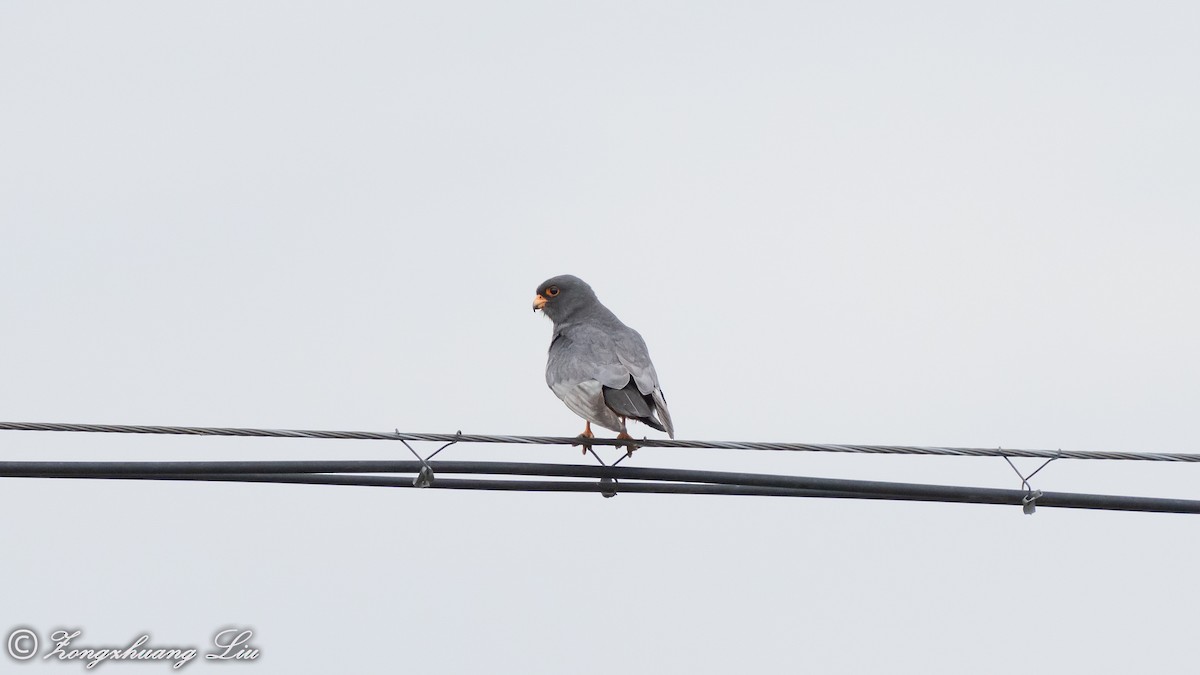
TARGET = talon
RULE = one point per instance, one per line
(585, 437)
(630, 447)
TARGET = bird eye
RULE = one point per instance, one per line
(552, 291)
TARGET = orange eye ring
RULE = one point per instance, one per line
(552, 291)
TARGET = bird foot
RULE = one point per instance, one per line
(583, 439)
(629, 448)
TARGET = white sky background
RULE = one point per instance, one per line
(930, 223)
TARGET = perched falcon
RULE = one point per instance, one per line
(599, 366)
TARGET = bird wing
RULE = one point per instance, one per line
(589, 358)
(632, 353)
(579, 367)
(587, 353)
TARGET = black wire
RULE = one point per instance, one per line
(485, 484)
(277, 471)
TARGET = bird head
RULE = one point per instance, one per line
(561, 297)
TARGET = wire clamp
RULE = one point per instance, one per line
(608, 487)
(425, 476)
(1028, 502)
(1028, 505)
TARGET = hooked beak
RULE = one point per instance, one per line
(539, 302)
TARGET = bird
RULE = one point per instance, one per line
(599, 367)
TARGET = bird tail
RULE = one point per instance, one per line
(660, 409)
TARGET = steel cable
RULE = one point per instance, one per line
(572, 440)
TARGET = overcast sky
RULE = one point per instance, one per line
(854, 222)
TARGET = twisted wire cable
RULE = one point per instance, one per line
(572, 440)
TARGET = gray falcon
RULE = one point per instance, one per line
(597, 365)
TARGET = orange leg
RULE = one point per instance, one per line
(583, 438)
(624, 436)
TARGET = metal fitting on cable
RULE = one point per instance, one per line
(1028, 505)
(608, 487)
(424, 477)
